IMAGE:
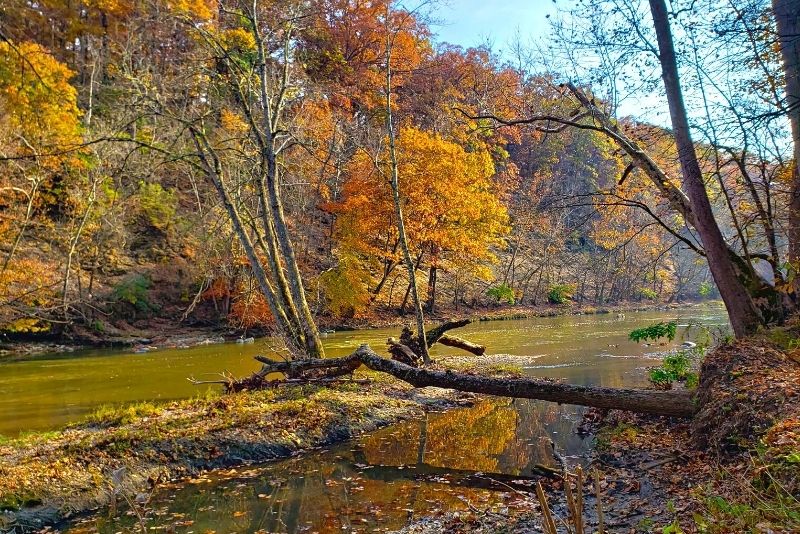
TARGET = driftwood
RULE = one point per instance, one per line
(463, 344)
(671, 403)
(402, 353)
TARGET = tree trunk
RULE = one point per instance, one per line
(432, 273)
(213, 170)
(769, 301)
(787, 19)
(313, 342)
(398, 209)
(744, 316)
(670, 403)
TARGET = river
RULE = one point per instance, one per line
(382, 480)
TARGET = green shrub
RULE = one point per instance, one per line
(705, 289)
(133, 290)
(654, 332)
(157, 205)
(647, 293)
(676, 367)
(502, 293)
(560, 293)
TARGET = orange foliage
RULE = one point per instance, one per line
(451, 206)
(346, 48)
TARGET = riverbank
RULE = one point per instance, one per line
(48, 477)
(735, 467)
(163, 334)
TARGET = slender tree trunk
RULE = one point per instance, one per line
(312, 339)
(398, 208)
(744, 316)
(432, 274)
(73, 245)
(787, 19)
(271, 103)
(402, 308)
(287, 329)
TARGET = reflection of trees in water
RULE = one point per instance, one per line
(538, 423)
(335, 490)
(471, 438)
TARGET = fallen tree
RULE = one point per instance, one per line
(405, 361)
(672, 403)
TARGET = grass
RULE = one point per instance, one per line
(70, 469)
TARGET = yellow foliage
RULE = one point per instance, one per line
(39, 104)
(345, 287)
(28, 284)
(203, 10)
(232, 122)
(451, 205)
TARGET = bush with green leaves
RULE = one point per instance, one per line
(502, 293)
(133, 290)
(647, 293)
(705, 289)
(654, 332)
(560, 293)
(157, 204)
(676, 367)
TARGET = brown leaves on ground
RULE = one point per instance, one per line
(745, 388)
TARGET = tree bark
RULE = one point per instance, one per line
(787, 19)
(744, 316)
(432, 274)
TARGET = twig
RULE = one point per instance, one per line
(600, 519)
(579, 489)
(549, 524)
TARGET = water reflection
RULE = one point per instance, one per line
(381, 481)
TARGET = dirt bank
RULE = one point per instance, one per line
(45, 478)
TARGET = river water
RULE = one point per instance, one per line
(381, 481)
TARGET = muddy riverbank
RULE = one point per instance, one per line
(47, 477)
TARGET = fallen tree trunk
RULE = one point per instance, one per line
(670, 403)
(463, 344)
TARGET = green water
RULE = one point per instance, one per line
(480, 456)
(49, 391)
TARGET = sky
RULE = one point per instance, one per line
(471, 22)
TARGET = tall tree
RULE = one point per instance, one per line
(394, 181)
(744, 316)
(787, 19)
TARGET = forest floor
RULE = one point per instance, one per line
(734, 468)
(166, 333)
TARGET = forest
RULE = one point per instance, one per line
(133, 165)
(306, 177)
